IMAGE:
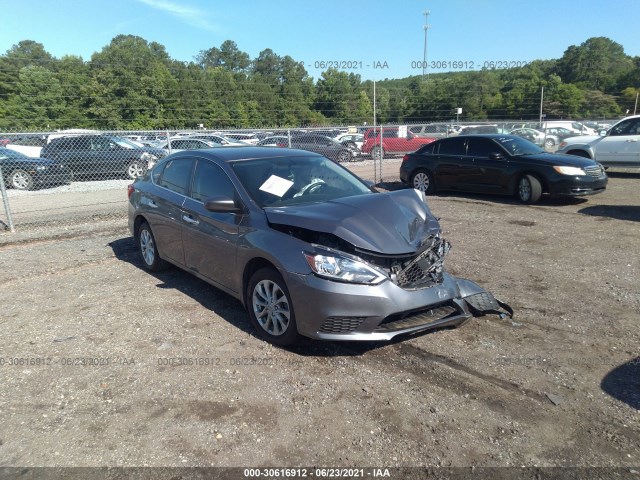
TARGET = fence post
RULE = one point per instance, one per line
(5, 200)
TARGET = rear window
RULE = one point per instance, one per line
(452, 146)
(176, 175)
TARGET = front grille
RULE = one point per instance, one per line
(596, 171)
(426, 268)
(417, 318)
(341, 324)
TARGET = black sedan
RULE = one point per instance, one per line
(26, 173)
(500, 164)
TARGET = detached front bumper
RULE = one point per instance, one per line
(330, 310)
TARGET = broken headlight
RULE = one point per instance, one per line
(343, 268)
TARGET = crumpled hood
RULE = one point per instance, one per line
(389, 223)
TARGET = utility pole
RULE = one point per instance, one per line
(541, 102)
(426, 27)
(635, 108)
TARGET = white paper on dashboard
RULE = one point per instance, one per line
(276, 185)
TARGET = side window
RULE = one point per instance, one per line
(176, 175)
(79, 143)
(156, 173)
(627, 127)
(210, 180)
(453, 146)
(481, 147)
(427, 149)
(100, 144)
(390, 134)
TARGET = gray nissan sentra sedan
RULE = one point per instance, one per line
(307, 247)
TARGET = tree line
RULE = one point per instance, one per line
(132, 84)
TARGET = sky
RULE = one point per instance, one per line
(376, 39)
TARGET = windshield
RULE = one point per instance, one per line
(124, 143)
(519, 146)
(7, 153)
(284, 181)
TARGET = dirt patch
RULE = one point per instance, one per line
(105, 364)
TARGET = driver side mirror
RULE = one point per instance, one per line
(222, 204)
(602, 133)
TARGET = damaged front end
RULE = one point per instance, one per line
(448, 301)
(377, 268)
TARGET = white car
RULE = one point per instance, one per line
(249, 138)
(179, 144)
(347, 139)
(219, 140)
(619, 147)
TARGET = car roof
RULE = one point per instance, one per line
(231, 154)
(481, 135)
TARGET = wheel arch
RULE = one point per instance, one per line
(516, 178)
(581, 152)
(250, 268)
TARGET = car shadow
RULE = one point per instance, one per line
(486, 197)
(232, 311)
(619, 212)
(623, 383)
(223, 305)
(614, 174)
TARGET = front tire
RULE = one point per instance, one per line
(377, 152)
(270, 309)
(135, 169)
(21, 180)
(344, 156)
(549, 143)
(148, 250)
(529, 189)
(423, 180)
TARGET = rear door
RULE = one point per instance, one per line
(164, 207)
(452, 166)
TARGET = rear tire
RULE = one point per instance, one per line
(148, 250)
(423, 180)
(529, 189)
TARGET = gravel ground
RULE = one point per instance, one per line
(104, 364)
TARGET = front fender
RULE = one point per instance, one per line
(579, 146)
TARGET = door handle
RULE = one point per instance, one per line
(632, 140)
(189, 219)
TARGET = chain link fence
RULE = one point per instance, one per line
(68, 180)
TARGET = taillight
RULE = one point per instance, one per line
(406, 157)
(282, 145)
(130, 190)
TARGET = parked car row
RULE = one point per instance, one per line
(82, 154)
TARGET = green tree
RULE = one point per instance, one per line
(598, 63)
